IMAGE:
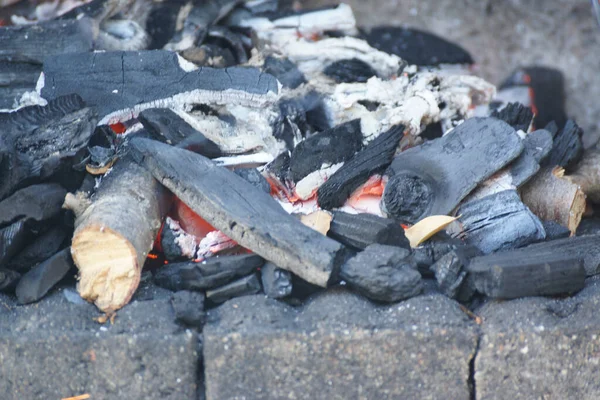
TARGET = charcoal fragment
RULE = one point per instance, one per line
(40, 279)
(189, 308)
(33, 203)
(276, 282)
(41, 249)
(538, 144)
(224, 37)
(555, 230)
(567, 149)
(242, 287)
(8, 279)
(286, 72)
(450, 270)
(383, 273)
(255, 178)
(171, 250)
(13, 239)
(516, 115)
(350, 70)
(432, 250)
(361, 230)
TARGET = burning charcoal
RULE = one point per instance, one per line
(242, 287)
(374, 159)
(8, 279)
(207, 274)
(122, 84)
(450, 270)
(41, 249)
(417, 47)
(516, 115)
(170, 247)
(499, 221)
(36, 283)
(555, 231)
(276, 282)
(241, 211)
(122, 34)
(383, 273)
(165, 125)
(348, 71)
(189, 308)
(361, 230)
(285, 71)
(568, 147)
(254, 177)
(431, 179)
(13, 239)
(279, 167)
(526, 272)
(33, 203)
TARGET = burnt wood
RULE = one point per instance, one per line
(567, 149)
(349, 70)
(189, 308)
(450, 270)
(241, 211)
(208, 274)
(42, 248)
(432, 250)
(285, 71)
(431, 179)
(253, 176)
(373, 159)
(361, 230)
(276, 282)
(13, 239)
(516, 115)
(33, 203)
(8, 279)
(16, 78)
(40, 279)
(242, 287)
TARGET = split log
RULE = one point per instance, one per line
(242, 212)
(115, 233)
(554, 198)
(587, 175)
(431, 179)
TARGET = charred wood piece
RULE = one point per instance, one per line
(555, 230)
(8, 279)
(122, 84)
(251, 175)
(450, 270)
(189, 308)
(498, 222)
(567, 149)
(208, 274)
(13, 239)
(41, 249)
(16, 78)
(373, 159)
(241, 211)
(161, 23)
(361, 230)
(383, 273)
(242, 287)
(526, 272)
(348, 71)
(40, 279)
(516, 115)
(276, 282)
(431, 179)
(432, 250)
(286, 72)
(34, 203)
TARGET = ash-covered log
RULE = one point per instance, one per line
(208, 274)
(115, 233)
(34, 203)
(373, 159)
(242, 212)
(276, 282)
(361, 230)
(40, 279)
(242, 287)
(431, 179)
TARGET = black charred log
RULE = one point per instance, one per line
(361, 230)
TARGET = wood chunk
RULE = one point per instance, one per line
(285, 71)
(361, 230)
(121, 84)
(276, 282)
(33, 203)
(431, 179)
(373, 159)
(13, 239)
(242, 287)
(587, 175)
(189, 308)
(383, 273)
(554, 198)
(499, 221)
(567, 149)
(241, 211)
(8, 279)
(40, 279)
(41, 249)
(114, 235)
(350, 70)
(527, 272)
(516, 115)
(165, 125)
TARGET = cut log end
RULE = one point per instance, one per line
(108, 269)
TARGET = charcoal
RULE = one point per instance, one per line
(207, 274)
(523, 168)
(538, 144)
(8, 279)
(285, 71)
(121, 84)
(567, 149)
(373, 159)
(350, 70)
(241, 211)
(254, 177)
(450, 270)
(223, 36)
(170, 248)
(40, 279)
(431, 179)
(329, 147)
(499, 221)
(161, 23)
(516, 115)
(555, 231)
(189, 308)
(280, 166)
(242, 287)
(42, 248)
(522, 273)
(290, 125)
(165, 125)
(317, 115)
(383, 273)
(432, 250)
(276, 282)
(417, 47)
(33, 203)
(361, 230)
(432, 131)
(13, 238)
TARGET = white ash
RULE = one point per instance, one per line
(306, 187)
(213, 243)
(122, 35)
(245, 160)
(188, 244)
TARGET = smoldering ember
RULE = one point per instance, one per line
(251, 200)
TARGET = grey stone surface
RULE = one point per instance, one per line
(339, 346)
(54, 349)
(504, 35)
(541, 348)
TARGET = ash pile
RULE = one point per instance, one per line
(227, 148)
